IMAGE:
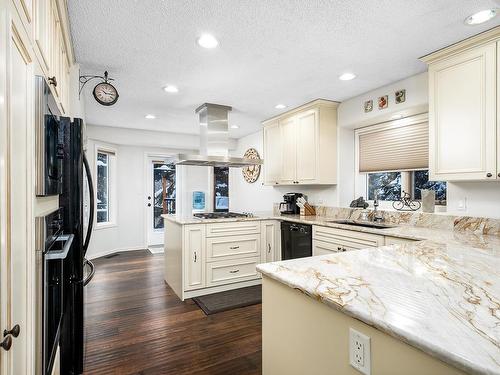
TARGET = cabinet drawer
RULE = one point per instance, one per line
(232, 271)
(232, 247)
(346, 238)
(233, 228)
(323, 248)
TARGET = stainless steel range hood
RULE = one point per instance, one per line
(214, 140)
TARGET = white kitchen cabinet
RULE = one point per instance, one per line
(43, 27)
(270, 240)
(344, 240)
(233, 247)
(463, 107)
(307, 146)
(324, 248)
(288, 132)
(232, 271)
(272, 151)
(194, 256)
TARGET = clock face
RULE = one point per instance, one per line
(105, 93)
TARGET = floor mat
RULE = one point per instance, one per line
(230, 299)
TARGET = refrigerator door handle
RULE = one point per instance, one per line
(91, 273)
(92, 204)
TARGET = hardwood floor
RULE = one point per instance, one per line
(135, 324)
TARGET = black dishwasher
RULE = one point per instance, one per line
(296, 240)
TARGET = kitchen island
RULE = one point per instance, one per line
(440, 297)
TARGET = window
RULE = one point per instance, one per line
(164, 192)
(386, 185)
(221, 189)
(389, 185)
(104, 191)
(102, 187)
(421, 181)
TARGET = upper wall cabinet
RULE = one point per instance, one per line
(300, 146)
(463, 108)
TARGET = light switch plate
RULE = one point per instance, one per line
(359, 351)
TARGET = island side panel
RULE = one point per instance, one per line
(173, 256)
(303, 336)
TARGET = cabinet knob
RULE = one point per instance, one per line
(53, 81)
(344, 249)
(339, 248)
(488, 175)
(15, 331)
(499, 175)
(6, 343)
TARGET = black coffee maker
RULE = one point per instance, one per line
(289, 206)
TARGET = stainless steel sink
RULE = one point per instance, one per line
(366, 224)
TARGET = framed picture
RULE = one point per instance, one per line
(383, 102)
(368, 106)
(400, 96)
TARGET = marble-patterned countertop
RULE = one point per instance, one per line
(441, 296)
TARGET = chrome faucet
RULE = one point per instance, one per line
(377, 215)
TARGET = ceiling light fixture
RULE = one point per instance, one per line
(171, 89)
(235, 127)
(150, 117)
(481, 17)
(207, 41)
(280, 106)
(347, 76)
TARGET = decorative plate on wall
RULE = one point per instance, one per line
(251, 173)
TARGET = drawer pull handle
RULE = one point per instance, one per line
(235, 271)
(269, 248)
(234, 247)
(195, 257)
(339, 248)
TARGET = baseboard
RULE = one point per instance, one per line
(113, 251)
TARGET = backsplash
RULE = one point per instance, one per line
(472, 224)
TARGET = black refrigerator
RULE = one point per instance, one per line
(75, 173)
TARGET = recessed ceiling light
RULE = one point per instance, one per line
(171, 89)
(235, 127)
(207, 41)
(481, 17)
(280, 106)
(150, 117)
(347, 76)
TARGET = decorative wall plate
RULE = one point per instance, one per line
(368, 106)
(252, 172)
(400, 96)
(383, 102)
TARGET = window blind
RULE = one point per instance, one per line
(397, 146)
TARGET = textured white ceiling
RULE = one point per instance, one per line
(271, 51)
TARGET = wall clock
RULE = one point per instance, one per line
(104, 92)
(251, 173)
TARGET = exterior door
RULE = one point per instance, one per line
(16, 199)
(160, 199)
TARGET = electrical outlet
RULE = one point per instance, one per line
(359, 351)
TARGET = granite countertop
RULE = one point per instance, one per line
(441, 296)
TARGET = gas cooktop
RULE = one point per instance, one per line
(222, 215)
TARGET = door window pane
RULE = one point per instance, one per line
(387, 185)
(163, 192)
(221, 189)
(421, 181)
(102, 187)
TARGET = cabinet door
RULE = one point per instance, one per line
(272, 153)
(17, 255)
(462, 111)
(289, 150)
(270, 240)
(43, 22)
(194, 252)
(498, 110)
(307, 146)
(324, 248)
(55, 50)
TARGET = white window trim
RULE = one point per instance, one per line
(112, 187)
